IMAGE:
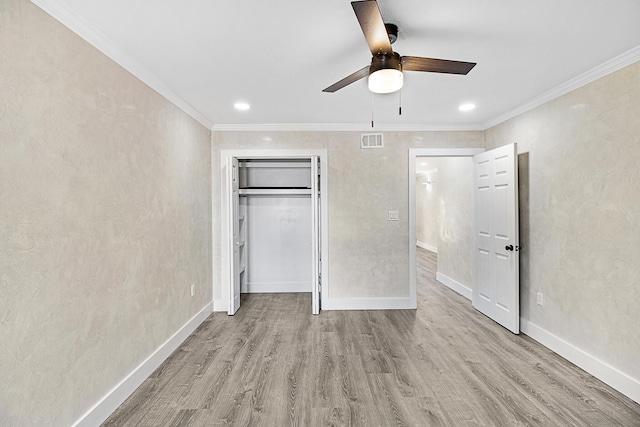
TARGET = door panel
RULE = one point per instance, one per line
(315, 232)
(234, 217)
(483, 267)
(496, 260)
(502, 282)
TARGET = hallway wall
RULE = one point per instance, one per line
(455, 223)
(427, 207)
(444, 216)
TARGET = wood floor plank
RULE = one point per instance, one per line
(445, 364)
(388, 404)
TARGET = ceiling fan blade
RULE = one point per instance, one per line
(364, 72)
(372, 25)
(416, 63)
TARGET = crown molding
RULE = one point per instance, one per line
(614, 64)
(91, 35)
(342, 127)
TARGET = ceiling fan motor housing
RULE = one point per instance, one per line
(385, 73)
(385, 62)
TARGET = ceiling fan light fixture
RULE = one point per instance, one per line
(385, 74)
(385, 81)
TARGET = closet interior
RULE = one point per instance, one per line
(276, 227)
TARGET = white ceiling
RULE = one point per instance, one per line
(278, 55)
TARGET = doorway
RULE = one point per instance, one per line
(417, 156)
(273, 191)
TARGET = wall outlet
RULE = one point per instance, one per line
(540, 298)
(393, 215)
(193, 290)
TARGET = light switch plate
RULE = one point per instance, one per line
(393, 215)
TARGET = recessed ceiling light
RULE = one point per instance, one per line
(242, 106)
(467, 107)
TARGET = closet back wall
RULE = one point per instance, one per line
(278, 244)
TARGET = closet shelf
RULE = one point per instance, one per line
(274, 191)
(306, 164)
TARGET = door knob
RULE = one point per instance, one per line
(509, 247)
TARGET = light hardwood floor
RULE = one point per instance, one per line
(274, 364)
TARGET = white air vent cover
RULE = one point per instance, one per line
(371, 140)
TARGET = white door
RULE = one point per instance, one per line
(315, 239)
(234, 205)
(496, 290)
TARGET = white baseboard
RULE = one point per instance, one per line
(427, 246)
(275, 287)
(110, 402)
(620, 381)
(452, 284)
(368, 304)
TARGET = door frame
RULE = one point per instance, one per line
(414, 153)
(226, 281)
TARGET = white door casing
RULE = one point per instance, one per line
(496, 290)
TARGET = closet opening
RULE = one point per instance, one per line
(276, 224)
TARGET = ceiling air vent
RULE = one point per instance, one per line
(371, 140)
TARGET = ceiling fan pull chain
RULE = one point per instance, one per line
(371, 109)
(400, 103)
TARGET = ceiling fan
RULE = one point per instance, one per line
(385, 71)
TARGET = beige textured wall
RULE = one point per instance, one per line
(427, 206)
(104, 220)
(580, 215)
(368, 255)
(455, 222)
